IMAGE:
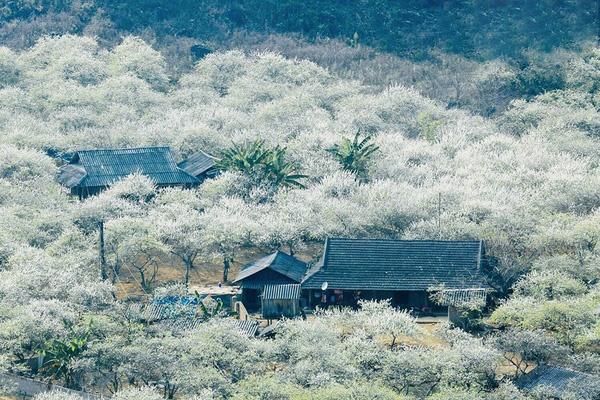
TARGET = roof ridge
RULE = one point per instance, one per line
(407, 240)
(404, 240)
(382, 264)
(325, 253)
(259, 264)
(287, 265)
(123, 148)
(207, 154)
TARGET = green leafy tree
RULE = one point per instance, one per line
(354, 154)
(59, 356)
(244, 158)
(265, 165)
(283, 173)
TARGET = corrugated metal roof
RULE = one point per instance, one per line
(152, 313)
(455, 297)
(375, 264)
(184, 324)
(70, 175)
(103, 167)
(198, 164)
(247, 327)
(561, 379)
(148, 312)
(281, 292)
(280, 262)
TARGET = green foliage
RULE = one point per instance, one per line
(428, 127)
(245, 158)
(271, 389)
(264, 165)
(283, 173)
(536, 79)
(209, 308)
(469, 319)
(356, 391)
(355, 154)
(59, 356)
(549, 285)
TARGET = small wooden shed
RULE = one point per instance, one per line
(200, 165)
(277, 268)
(279, 301)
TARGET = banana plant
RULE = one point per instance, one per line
(59, 355)
(208, 307)
(354, 154)
(267, 164)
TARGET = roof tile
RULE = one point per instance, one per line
(376, 264)
(103, 167)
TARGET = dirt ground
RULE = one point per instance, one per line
(204, 273)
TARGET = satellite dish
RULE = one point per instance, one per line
(324, 286)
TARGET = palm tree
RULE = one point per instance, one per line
(354, 155)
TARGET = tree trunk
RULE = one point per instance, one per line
(188, 266)
(116, 270)
(103, 268)
(143, 282)
(226, 266)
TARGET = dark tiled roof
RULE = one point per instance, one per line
(198, 164)
(104, 167)
(281, 292)
(265, 277)
(279, 262)
(558, 378)
(374, 264)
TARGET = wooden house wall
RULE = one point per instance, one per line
(272, 309)
(252, 287)
(405, 299)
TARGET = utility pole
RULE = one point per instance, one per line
(103, 268)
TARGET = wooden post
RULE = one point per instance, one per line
(103, 268)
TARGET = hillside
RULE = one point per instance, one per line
(481, 29)
(467, 138)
